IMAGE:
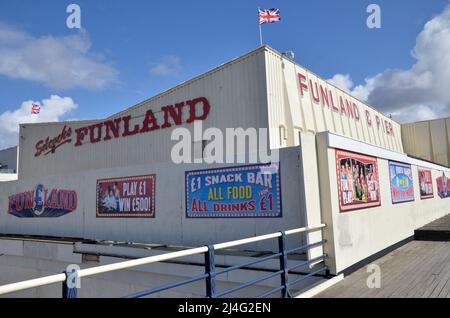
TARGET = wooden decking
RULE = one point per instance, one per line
(438, 230)
(417, 269)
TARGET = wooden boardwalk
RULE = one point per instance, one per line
(417, 269)
(438, 230)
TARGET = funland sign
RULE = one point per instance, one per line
(168, 116)
(345, 106)
(42, 202)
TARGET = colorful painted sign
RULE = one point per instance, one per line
(402, 187)
(126, 197)
(358, 181)
(42, 202)
(443, 186)
(252, 191)
(426, 184)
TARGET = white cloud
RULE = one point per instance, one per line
(343, 81)
(421, 92)
(168, 66)
(58, 62)
(52, 109)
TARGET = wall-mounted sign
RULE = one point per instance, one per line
(342, 104)
(165, 117)
(126, 197)
(42, 202)
(402, 187)
(48, 145)
(443, 186)
(426, 184)
(246, 191)
(358, 181)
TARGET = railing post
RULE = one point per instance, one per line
(210, 269)
(69, 286)
(283, 265)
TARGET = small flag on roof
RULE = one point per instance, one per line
(35, 109)
(269, 15)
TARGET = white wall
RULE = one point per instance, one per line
(170, 226)
(297, 112)
(9, 157)
(428, 140)
(236, 92)
(355, 235)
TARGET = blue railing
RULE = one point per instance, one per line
(211, 272)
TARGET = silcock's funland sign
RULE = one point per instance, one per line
(241, 192)
(166, 117)
(42, 202)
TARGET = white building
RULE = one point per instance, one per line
(341, 163)
(8, 164)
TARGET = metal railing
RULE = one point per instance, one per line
(69, 291)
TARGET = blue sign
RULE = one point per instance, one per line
(402, 187)
(234, 192)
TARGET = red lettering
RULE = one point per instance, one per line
(368, 118)
(192, 109)
(333, 106)
(114, 127)
(29, 200)
(20, 202)
(313, 95)
(176, 113)
(127, 132)
(302, 78)
(349, 109)
(324, 96)
(342, 106)
(150, 119)
(81, 133)
(356, 111)
(97, 127)
(73, 200)
(10, 204)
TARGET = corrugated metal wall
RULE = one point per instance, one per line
(236, 93)
(259, 89)
(429, 140)
(290, 111)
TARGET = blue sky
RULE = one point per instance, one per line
(149, 46)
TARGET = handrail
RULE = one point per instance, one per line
(58, 278)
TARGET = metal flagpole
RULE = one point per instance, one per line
(260, 29)
(260, 34)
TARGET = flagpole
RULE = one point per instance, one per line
(260, 29)
(260, 34)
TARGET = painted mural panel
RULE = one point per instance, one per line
(252, 191)
(443, 186)
(426, 184)
(358, 181)
(401, 179)
(126, 197)
(42, 202)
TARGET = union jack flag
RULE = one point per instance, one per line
(269, 15)
(35, 109)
